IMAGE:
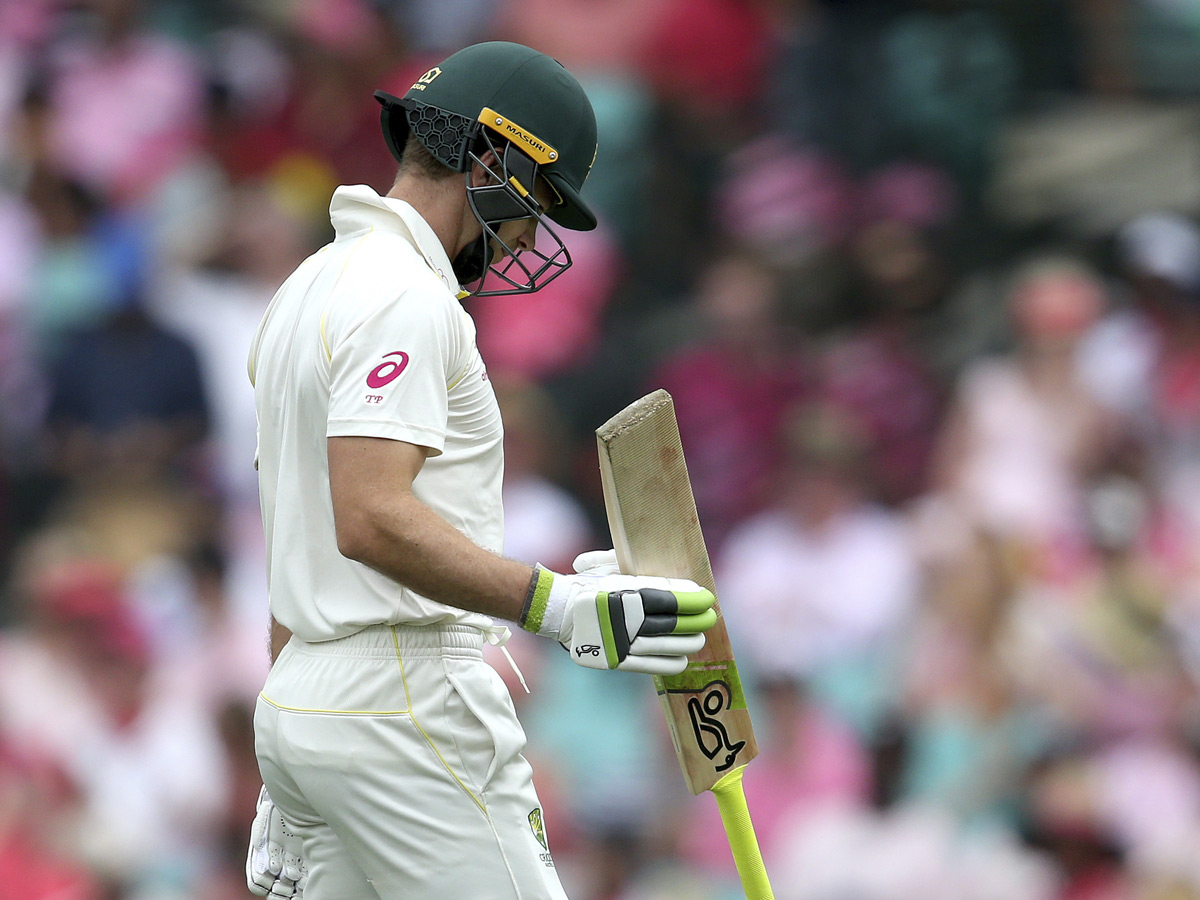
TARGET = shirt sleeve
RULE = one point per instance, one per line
(388, 372)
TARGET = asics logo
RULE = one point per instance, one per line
(388, 370)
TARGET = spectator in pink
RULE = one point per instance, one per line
(123, 101)
(823, 580)
(585, 35)
(557, 330)
(35, 803)
(141, 757)
(1023, 426)
(880, 366)
(732, 387)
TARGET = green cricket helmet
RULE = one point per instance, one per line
(534, 116)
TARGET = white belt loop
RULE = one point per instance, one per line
(497, 636)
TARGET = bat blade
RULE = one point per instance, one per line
(656, 531)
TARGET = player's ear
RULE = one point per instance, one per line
(479, 176)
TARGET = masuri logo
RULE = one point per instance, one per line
(427, 78)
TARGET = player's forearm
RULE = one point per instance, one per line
(409, 542)
(279, 636)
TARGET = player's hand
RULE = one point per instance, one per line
(274, 864)
(597, 562)
(635, 623)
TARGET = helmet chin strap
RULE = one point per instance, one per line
(472, 260)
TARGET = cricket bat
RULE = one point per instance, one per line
(656, 531)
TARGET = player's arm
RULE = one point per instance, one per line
(278, 637)
(609, 621)
(382, 524)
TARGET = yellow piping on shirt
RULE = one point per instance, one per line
(325, 311)
(324, 339)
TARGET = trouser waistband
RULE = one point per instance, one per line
(410, 640)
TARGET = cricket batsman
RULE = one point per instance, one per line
(390, 751)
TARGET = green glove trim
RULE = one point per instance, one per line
(657, 601)
(677, 612)
(695, 624)
(694, 602)
(604, 613)
(536, 599)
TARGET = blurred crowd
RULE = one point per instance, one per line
(923, 277)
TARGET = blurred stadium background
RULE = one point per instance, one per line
(924, 279)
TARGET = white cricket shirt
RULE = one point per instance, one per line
(367, 338)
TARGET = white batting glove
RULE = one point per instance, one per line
(634, 623)
(597, 562)
(274, 864)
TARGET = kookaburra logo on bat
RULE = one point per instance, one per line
(711, 736)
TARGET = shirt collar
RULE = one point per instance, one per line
(357, 208)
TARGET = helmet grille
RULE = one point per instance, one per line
(442, 133)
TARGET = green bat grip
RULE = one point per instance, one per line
(731, 801)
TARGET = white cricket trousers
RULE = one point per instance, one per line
(396, 754)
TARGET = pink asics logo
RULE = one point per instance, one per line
(388, 370)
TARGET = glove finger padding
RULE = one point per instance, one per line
(303, 879)
(274, 865)
(291, 866)
(600, 619)
(287, 885)
(667, 645)
(654, 665)
(259, 877)
(597, 562)
(620, 627)
(676, 612)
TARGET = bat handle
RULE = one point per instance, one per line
(731, 801)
